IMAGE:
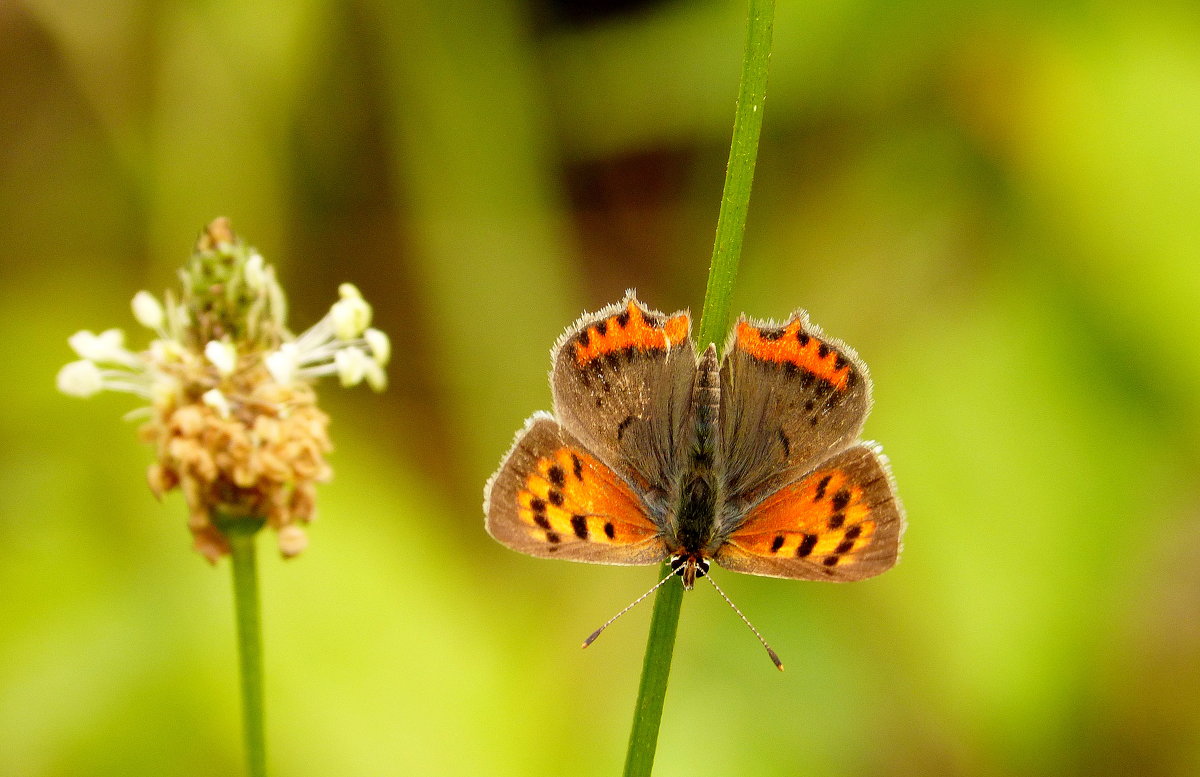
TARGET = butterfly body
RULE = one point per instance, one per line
(699, 488)
(750, 460)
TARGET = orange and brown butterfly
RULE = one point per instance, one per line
(656, 452)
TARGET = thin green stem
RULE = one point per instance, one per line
(241, 535)
(739, 174)
(714, 323)
(656, 668)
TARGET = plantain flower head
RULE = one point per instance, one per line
(231, 409)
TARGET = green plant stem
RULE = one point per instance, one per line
(714, 323)
(739, 175)
(241, 535)
(656, 668)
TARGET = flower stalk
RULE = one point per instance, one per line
(714, 323)
(242, 534)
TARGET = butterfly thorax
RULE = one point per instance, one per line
(699, 489)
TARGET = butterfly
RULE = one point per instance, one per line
(654, 451)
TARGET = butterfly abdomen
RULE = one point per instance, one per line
(706, 402)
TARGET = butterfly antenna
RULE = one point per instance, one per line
(630, 606)
(774, 656)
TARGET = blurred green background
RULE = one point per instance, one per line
(998, 207)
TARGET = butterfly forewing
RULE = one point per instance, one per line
(622, 380)
(553, 498)
(790, 398)
(840, 522)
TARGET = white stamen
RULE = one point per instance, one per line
(282, 364)
(179, 317)
(223, 356)
(376, 377)
(380, 345)
(80, 379)
(147, 310)
(253, 273)
(351, 366)
(106, 347)
(351, 314)
(217, 401)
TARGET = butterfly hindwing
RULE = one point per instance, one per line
(840, 522)
(622, 380)
(790, 398)
(553, 498)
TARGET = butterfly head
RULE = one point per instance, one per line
(689, 566)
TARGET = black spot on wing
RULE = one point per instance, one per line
(787, 445)
(621, 427)
(822, 484)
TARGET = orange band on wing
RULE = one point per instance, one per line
(629, 329)
(791, 345)
(571, 497)
(823, 516)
